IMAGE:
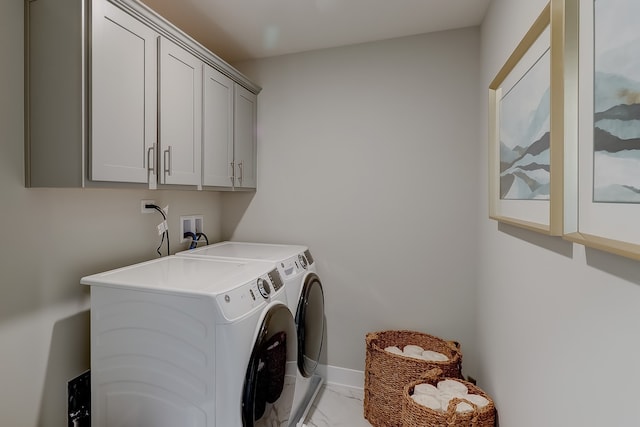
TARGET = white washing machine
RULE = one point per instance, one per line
(305, 298)
(191, 342)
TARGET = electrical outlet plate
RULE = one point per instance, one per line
(190, 223)
(143, 203)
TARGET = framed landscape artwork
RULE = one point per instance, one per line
(604, 154)
(526, 129)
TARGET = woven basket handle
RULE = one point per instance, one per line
(431, 374)
(455, 347)
(452, 415)
(371, 336)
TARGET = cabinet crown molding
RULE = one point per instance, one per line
(151, 18)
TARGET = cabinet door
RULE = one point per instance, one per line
(217, 129)
(245, 136)
(123, 97)
(180, 137)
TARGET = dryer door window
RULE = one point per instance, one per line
(310, 324)
(267, 395)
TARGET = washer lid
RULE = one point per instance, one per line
(257, 251)
(310, 324)
(182, 275)
(267, 394)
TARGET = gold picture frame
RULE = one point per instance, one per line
(532, 212)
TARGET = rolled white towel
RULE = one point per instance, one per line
(427, 389)
(393, 349)
(479, 401)
(463, 407)
(413, 356)
(434, 356)
(413, 349)
(427, 401)
(453, 387)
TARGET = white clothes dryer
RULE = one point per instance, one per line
(305, 298)
(191, 342)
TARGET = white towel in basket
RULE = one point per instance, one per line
(425, 400)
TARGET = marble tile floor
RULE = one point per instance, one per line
(337, 406)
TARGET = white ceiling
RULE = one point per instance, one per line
(248, 29)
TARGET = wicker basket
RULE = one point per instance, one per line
(386, 374)
(416, 415)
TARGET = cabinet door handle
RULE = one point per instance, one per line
(167, 161)
(151, 167)
(233, 168)
(240, 173)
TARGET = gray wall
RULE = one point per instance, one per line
(368, 155)
(50, 239)
(558, 324)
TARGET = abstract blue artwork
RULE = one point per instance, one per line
(616, 137)
(525, 135)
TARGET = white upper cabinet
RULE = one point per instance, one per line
(123, 97)
(180, 136)
(245, 137)
(116, 96)
(229, 133)
(217, 129)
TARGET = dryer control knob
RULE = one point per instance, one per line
(263, 287)
(303, 261)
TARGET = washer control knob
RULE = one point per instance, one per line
(263, 287)
(303, 261)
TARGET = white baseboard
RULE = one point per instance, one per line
(341, 376)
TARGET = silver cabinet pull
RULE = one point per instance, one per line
(233, 168)
(240, 173)
(167, 161)
(151, 165)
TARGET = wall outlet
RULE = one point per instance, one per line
(79, 401)
(143, 203)
(190, 223)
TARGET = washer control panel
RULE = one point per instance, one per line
(276, 279)
(242, 299)
(263, 287)
(307, 255)
(292, 266)
(303, 261)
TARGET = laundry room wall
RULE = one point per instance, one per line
(50, 239)
(368, 154)
(557, 324)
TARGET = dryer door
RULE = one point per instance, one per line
(310, 324)
(269, 384)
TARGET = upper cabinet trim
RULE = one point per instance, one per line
(151, 18)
